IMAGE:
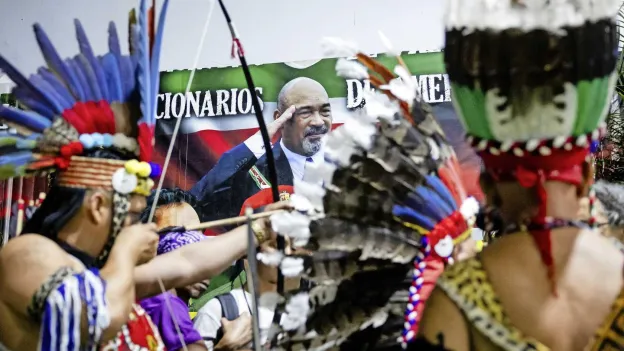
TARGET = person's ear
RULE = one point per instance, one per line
(98, 207)
(276, 114)
(489, 189)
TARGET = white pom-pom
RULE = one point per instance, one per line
(336, 47)
(390, 50)
(291, 267)
(351, 69)
(272, 259)
(292, 224)
(296, 312)
(469, 208)
(444, 247)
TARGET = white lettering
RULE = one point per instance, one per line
(192, 100)
(435, 95)
(244, 101)
(177, 105)
(207, 106)
(222, 98)
(354, 92)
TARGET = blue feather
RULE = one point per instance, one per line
(155, 64)
(60, 104)
(56, 64)
(57, 85)
(33, 104)
(16, 159)
(129, 81)
(409, 215)
(28, 119)
(87, 51)
(425, 201)
(144, 73)
(23, 82)
(92, 80)
(115, 48)
(434, 202)
(73, 66)
(436, 184)
(112, 76)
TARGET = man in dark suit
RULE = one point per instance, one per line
(304, 116)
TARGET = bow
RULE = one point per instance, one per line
(237, 48)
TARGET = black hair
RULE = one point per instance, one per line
(168, 197)
(61, 204)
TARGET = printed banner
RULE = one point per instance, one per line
(217, 116)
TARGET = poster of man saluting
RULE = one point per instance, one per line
(220, 156)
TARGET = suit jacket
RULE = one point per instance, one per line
(222, 192)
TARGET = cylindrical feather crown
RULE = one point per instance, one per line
(533, 73)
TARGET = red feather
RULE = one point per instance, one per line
(146, 142)
(151, 15)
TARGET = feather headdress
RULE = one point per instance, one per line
(532, 82)
(388, 197)
(84, 103)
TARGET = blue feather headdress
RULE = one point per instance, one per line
(85, 102)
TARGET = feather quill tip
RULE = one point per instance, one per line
(390, 50)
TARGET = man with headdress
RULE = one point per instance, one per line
(72, 281)
(532, 82)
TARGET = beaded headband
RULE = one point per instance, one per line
(124, 177)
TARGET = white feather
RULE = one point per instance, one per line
(552, 16)
(272, 259)
(390, 50)
(313, 192)
(291, 266)
(295, 225)
(351, 69)
(403, 91)
(379, 105)
(336, 47)
(296, 312)
(318, 172)
(360, 133)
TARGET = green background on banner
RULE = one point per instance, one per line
(271, 77)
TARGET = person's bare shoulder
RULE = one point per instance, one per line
(443, 323)
(25, 263)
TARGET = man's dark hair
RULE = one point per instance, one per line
(61, 204)
(167, 197)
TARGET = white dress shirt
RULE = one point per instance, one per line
(297, 162)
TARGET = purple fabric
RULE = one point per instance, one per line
(163, 318)
(173, 241)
